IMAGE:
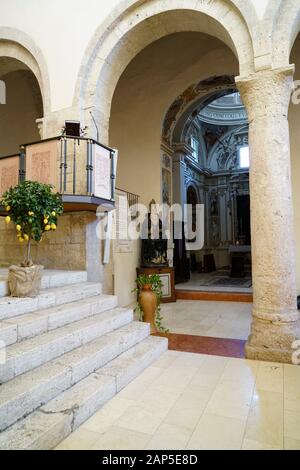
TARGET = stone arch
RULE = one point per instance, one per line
(16, 45)
(136, 24)
(286, 27)
(180, 114)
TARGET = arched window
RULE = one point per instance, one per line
(244, 160)
(194, 143)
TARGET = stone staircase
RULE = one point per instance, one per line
(68, 351)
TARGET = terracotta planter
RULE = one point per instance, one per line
(25, 281)
(148, 302)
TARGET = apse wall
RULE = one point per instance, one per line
(146, 89)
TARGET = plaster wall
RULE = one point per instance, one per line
(62, 30)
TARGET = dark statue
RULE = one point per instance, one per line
(154, 245)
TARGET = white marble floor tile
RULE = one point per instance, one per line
(119, 439)
(230, 320)
(81, 439)
(199, 402)
(218, 433)
(169, 437)
(265, 421)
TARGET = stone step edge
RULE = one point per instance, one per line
(49, 380)
(15, 330)
(14, 306)
(46, 427)
(70, 338)
(51, 280)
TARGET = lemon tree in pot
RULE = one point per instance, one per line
(149, 291)
(34, 209)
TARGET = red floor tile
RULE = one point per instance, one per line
(206, 345)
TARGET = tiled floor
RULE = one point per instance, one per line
(192, 401)
(214, 319)
(203, 282)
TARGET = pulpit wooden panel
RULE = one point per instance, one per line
(42, 163)
(9, 173)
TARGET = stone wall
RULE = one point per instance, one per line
(64, 249)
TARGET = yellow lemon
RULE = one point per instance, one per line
(47, 228)
(18, 227)
(30, 213)
(45, 221)
(53, 226)
(53, 213)
(26, 237)
(21, 240)
(8, 208)
(7, 219)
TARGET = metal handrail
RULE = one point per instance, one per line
(131, 197)
(68, 137)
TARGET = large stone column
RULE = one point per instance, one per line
(275, 326)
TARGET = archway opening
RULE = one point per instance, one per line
(210, 141)
(23, 105)
(203, 66)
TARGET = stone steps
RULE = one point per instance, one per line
(68, 351)
(31, 353)
(46, 427)
(51, 297)
(26, 326)
(29, 391)
(51, 278)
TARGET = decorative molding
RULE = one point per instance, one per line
(199, 93)
(225, 117)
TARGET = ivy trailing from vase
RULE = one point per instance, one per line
(154, 283)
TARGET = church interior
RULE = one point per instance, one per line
(134, 338)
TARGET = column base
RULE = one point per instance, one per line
(273, 342)
(257, 353)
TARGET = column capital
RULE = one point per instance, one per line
(267, 93)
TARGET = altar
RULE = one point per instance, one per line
(238, 255)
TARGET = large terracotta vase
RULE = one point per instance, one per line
(148, 303)
(25, 281)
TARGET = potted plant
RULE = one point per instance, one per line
(34, 209)
(149, 292)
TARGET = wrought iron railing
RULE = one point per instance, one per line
(132, 201)
(132, 198)
(76, 167)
